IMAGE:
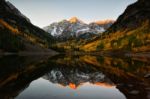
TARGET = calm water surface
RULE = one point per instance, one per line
(74, 77)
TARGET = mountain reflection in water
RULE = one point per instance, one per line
(32, 76)
(75, 77)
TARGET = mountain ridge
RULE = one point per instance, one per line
(76, 28)
(133, 17)
(19, 34)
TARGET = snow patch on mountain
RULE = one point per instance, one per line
(75, 28)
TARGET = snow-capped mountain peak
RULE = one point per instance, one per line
(76, 28)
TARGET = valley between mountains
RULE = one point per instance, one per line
(73, 59)
(130, 33)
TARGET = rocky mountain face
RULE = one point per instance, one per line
(133, 17)
(18, 33)
(75, 28)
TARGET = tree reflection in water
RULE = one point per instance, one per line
(129, 75)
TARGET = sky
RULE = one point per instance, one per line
(44, 12)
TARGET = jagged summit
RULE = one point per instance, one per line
(76, 28)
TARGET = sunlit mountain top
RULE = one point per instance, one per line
(105, 21)
(74, 20)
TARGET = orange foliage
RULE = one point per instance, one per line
(90, 59)
(5, 24)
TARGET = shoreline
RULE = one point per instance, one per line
(103, 53)
(24, 53)
(143, 54)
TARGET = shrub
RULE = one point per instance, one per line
(100, 46)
